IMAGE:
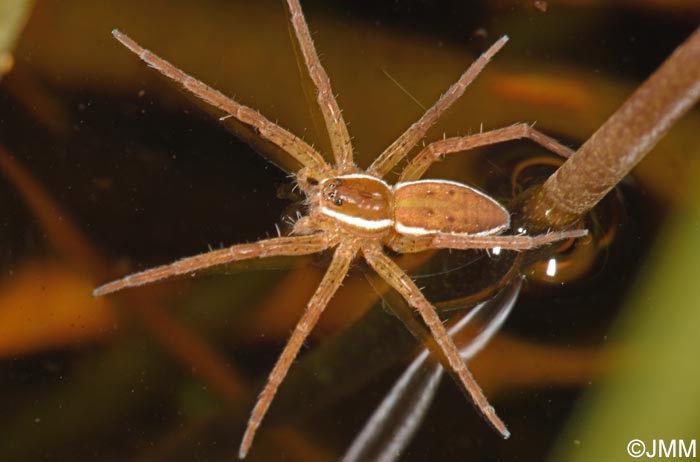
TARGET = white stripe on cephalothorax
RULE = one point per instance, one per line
(356, 221)
(362, 175)
(416, 231)
(358, 175)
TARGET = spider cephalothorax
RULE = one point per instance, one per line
(358, 212)
(358, 204)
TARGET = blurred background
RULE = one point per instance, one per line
(107, 168)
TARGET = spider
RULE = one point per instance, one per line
(357, 212)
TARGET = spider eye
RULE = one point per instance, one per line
(338, 201)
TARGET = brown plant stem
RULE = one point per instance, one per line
(620, 143)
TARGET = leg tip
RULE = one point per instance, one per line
(579, 233)
(105, 289)
(99, 291)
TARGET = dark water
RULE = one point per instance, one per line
(120, 171)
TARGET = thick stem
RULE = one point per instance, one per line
(620, 143)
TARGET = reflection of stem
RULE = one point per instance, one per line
(620, 143)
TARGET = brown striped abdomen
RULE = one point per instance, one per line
(439, 206)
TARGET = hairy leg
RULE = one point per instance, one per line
(403, 284)
(294, 245)
(288, 142)
(437, 150)
(331, 282)
(399, 148)
(394, 422)
(410, 244)
(337, 130)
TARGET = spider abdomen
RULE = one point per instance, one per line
(440, 206)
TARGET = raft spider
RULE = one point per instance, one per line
(356, 211)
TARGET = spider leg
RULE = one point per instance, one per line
(394, 422)
(294, 245)
(410, 244)
(399, 148)
(331, 282)
(288, 142)
(437, 150)
(403, 284)
(337, 130)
